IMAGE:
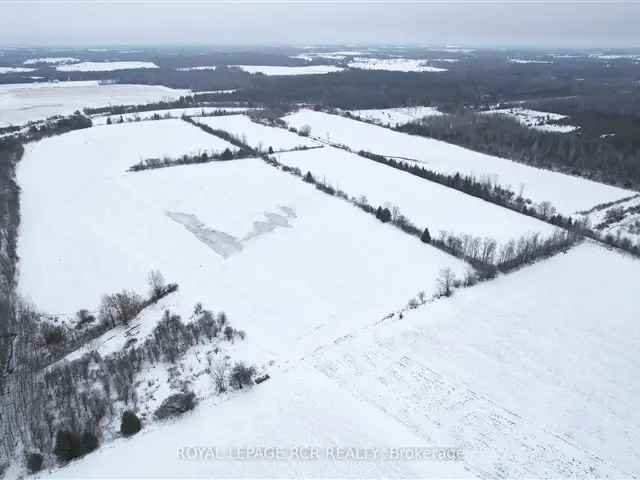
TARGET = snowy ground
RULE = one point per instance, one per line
(171, 113)
(425, 203)
(622, 219)
(50, 60)
(277, 70)
(527, 60)
(536, 119)
(104, 66)
(299, 408)
(394, 65)
(22, 103)
(15, 70)
(396, 116)
(522, 371)
(567, 193)
(290, 240)
(256, 135)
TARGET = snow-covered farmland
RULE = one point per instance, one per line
(394, 65)
(257, 135)
(15, 70)
(167, 113)
(535, 119)
(22, 103)
(104, 66)
(299, 408)
(523, 372)
(280, 70)
(239, 236)
(567, 193)
(425, 203)
(50, 60)
(524, 61)
(396, 116)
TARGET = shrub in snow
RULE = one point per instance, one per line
(241, 375)
(426, 236)
(130, 424)
(176, 404)
(70, 445)
(34, 462)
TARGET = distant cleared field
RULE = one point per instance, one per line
(22, 103)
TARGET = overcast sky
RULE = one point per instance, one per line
(506, 23)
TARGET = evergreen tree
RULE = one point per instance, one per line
(426, 236)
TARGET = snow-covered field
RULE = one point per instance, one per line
(104, 66)
(567, 193)
(394, 65)
(425, 203)
(523, 372)
(50, 60)
(171, 113)
(527, 60)
(22, 103)
(535, 119)
(15, 70)
(238, 236)
(278, 70)
(256, 135)
(300, 408)
(396, 116)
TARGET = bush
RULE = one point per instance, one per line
(70, 445)
(241, 375)
(34, 462)
(120, 307)
(89, 442)
(53, 335)
(176, 404)
(130, 424)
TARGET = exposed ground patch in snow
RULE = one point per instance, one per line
(529, 387)
(22, 103)
(536, 119)
(394, 65)
(425, 203)
(567, 193)
(278, 70)
(104, 66)
(396, 116)
(256, 135)
(169, 113)
(50, 60)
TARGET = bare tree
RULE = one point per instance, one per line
(445, 281)
(218, 369)
(157, 284)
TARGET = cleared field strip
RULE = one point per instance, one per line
(425, 203)
(567, 193)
